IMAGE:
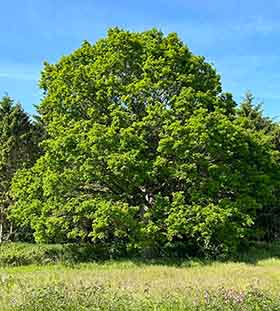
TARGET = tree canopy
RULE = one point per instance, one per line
(144, 152)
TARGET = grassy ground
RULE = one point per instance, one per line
(127, 285)
(250, 283)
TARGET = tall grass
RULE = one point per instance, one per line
(55, 281)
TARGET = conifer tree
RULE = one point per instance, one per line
(18, 149)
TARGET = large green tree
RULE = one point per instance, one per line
(18, 149)
(143, 151)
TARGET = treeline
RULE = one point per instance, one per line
(137, 150)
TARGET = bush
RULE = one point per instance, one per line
(18, 254)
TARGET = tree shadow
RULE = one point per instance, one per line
(16, 254)
(258, 251)
(254, 253)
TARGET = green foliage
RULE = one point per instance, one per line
(18, 149)
(252, 118)
(143, 152)
(21, 254)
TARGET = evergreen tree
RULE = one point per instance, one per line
(18, 149)
(267, 224)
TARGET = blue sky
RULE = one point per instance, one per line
(241, 39)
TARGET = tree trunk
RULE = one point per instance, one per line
(1, 232)
(2, 219)
(10, 232)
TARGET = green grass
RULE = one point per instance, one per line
(250, 283)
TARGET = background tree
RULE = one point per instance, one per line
(18, 149)
(251, 117)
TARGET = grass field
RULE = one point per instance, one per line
(136, 285)
(57, 277)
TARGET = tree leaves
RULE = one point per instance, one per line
(144, 150)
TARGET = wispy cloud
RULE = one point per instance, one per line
(19, 76)
(19, 72)
(210, 33)
(256, 25)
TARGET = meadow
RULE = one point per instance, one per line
(250, 282)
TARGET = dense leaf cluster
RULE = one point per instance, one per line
(144, 153)
(18, 149)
